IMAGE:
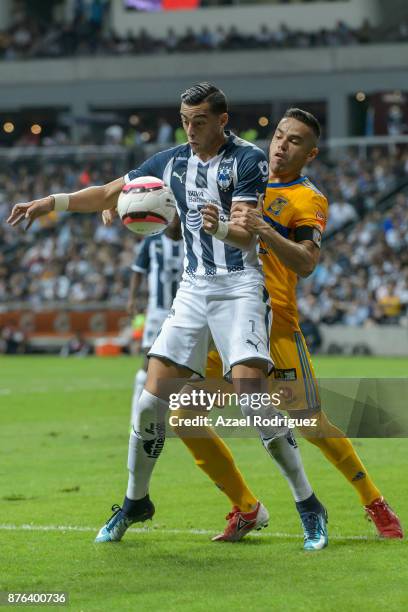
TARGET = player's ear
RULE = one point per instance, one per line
(312, 155)
(224, 119)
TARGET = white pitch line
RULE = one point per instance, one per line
(66, 389)
(203, 532)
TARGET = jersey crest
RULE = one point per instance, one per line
(276, 206)
(225, 175)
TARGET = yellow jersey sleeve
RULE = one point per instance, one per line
(310, 218)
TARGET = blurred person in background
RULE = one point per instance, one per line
(389, 303)
(164, 132)
(13, 340)
(76, 346)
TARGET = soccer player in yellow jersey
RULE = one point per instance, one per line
(290, 228)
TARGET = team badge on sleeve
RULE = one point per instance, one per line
(264, 168)
(321, 219)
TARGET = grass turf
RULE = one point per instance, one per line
(63, 452)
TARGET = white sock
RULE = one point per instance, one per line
(281, 445)
(286, 454)
(140, 380)
(146, 443)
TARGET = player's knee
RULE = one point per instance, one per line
(250, 370)
(267, 420)
(255, 405)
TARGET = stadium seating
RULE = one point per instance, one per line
(29, 38)
(362, 276)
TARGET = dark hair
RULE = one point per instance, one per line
(206, 92)
(306, 118)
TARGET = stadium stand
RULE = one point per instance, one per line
(362, 277)
(29, 38)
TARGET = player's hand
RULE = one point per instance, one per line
(108, 216)
(249, 218)
(210, 214)
(30, 211)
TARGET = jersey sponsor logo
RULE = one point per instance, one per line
(285, 374)
(276, 206)
(194, 193)
(264, 169)
(195, 198)
(317, 237)
(224, 176)
(194, 220)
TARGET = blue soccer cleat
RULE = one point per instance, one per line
(116, 527)
(315, 529)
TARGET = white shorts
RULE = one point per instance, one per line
(235, 312)
(155, 318)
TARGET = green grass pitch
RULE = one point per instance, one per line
(63, 447)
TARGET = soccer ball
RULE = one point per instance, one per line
(146, 206)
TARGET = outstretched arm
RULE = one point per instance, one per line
(91, 199)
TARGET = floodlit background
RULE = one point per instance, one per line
(91, 88)
(88, 90)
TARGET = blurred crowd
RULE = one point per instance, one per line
(89, 33)
(63, 257)
(362, 277)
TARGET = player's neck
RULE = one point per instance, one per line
(213, 149)
(284, 178)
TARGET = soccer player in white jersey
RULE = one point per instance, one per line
(160, 258)
(221, 293)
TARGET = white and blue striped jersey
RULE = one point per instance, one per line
(239, 172)
(162, 260)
